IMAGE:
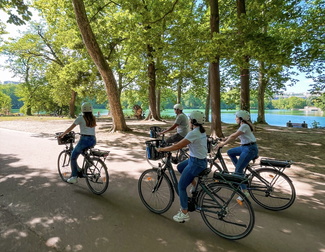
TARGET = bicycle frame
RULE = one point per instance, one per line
(168, 166)
(218, 156)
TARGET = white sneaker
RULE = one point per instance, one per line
(192, 189)
(240, 199)
(72, 180)
(181, 217)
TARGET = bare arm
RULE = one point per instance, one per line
(181, 144)
(170, 129)
(68, 130)
(231, 138)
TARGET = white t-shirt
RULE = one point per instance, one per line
(182, 122)
(84, 130)
(248, 136)
(198, 146)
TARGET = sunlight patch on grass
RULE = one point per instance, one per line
(31, 118)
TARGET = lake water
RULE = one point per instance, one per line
(272, 117)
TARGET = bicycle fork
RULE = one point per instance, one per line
(159, 180)
(66, 160)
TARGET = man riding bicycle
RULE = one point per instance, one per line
(181, 124)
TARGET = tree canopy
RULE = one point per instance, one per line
(154, 52)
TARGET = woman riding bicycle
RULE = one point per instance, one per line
(248, 149)
(87, 124)
(196, 140)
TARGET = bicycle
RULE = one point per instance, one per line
(181, 154)
(93, 167)
(217, 203)
(268, 186)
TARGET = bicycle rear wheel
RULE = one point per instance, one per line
(155, 190)
(272, 189)
(226, 211)
(64, 165)
(96, 175)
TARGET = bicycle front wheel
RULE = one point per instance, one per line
(226, 211)
(155, 190)
(64, 168)
(97, 177)
(272, 189)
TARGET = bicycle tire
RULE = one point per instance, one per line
(96, 175)
(278, 195)
(64, 168)
(155, 190)
(225, 213)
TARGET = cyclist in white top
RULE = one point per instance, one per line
(196, 140)
(181, 125)
(248, 149)
(87, 124)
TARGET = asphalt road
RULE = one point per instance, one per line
(39, 212)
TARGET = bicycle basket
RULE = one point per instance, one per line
(68, 138)
(154, 130)
(151, 152)
(275, 163)
(99, 153)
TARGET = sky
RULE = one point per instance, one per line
(302, 86)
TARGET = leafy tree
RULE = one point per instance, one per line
(5, 103)
(103, 67)
(10, 90)
(289, 103)
(17, 11)
(311, 50)
(319, 102)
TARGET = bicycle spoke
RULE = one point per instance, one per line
(155, 191)
(97, 177)
(224, 215)
(64, 165)
(271, 189)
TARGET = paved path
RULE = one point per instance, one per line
(39, 212)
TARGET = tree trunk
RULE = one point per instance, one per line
(208, 101)
(102, 66)
(262, 83)
(72, 102)
(214, 75)
(244, 71)
(179, 91)
(152, 85)
(244, 87)
(158, 102)
(29, 110)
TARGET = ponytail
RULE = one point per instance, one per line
(195, 123)
(90, 119)
(248, 123)
(202, 129)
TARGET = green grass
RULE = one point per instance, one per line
(31, 118)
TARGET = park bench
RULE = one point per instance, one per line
(297, 125)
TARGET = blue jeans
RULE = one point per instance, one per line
(245, 154)
(85, 142)
(189, 169)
